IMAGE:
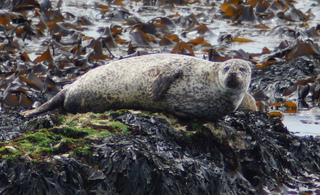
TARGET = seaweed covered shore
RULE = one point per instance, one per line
(45, 45)
(131, 152)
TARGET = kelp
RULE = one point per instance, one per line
(246, 152)
(66, 51)
(287, 81)
(137, 153)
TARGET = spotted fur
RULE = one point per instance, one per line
(183, 85)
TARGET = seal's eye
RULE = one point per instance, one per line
(226, 69)
(242, 69)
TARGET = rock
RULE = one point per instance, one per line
(244, 153)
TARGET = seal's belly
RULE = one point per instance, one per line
(100, 100)
(207, 109)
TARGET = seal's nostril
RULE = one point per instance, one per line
(233, 74)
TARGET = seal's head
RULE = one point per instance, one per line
(235, 75)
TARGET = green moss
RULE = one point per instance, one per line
(121, 111)
(3, 150)
(46, 150)
(46, 146)
(83, 153)
(106, 133)
(62, 119)
(74, 137)
(26, 146)
(84, 150)
(78, 132)
(42, 138)
(98, 115)
(73, 132)
(146, 113)
(196, 126)
(13, 156)
(111, 112)
(35, 144)
(90, 131)
(72, 124)
(34, 138)
(70, 140)
(189, 136)
(7, 157)
(122, 128)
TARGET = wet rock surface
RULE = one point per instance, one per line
(59, 176)
(10, 126)
(245, 153)
(285, 78)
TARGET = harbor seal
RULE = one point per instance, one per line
(183, 85)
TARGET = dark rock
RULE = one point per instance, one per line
(10, 125)
(60, 176)
(279, 76)
(162, 161)
(244, 153)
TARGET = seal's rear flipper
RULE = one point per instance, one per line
(55, 102)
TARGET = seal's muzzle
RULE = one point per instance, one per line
(232, 81)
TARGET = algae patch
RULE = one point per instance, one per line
(74, 135)
(78, 134)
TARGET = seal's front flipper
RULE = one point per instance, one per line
(248, 103)
(162, 81)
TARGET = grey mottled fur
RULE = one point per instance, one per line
(183, 85)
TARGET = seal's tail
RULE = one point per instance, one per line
(53, 103)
